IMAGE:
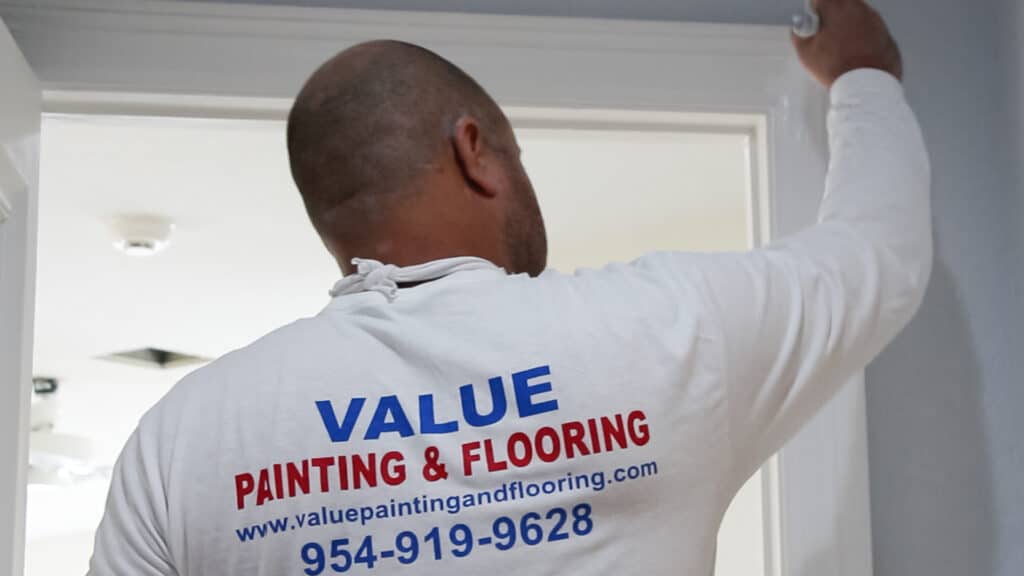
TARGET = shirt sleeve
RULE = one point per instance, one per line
(797, 319)
(131, 537)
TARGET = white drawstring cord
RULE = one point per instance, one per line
(375, 276)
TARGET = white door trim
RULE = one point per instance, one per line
(238, 61)
(5, 203)
(19, 146)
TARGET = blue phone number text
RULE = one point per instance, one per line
(458, 541)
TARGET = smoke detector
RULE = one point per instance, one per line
(141, 234)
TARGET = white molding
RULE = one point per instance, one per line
(11, 182)
(19, 163)
(5, 206)
(159, 58)
(97, 103)
(266, 51)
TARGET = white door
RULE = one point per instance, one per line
(19, 169)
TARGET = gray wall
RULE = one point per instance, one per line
(946, 436)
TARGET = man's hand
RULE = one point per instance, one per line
(853, 35)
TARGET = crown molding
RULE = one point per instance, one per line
(168, 47)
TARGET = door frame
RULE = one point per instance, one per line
(160, 58)
(19, 163)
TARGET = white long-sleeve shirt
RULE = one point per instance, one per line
(596, 423)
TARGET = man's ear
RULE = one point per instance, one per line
(479, 164)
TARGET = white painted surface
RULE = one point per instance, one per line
(5, 204)
(235, 53)
(19, 147)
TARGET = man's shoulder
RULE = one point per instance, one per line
(653, 275)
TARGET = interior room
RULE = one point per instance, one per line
(149, 225)
(100, 171)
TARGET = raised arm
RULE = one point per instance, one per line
(799, 318)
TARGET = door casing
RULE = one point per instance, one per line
(19, 169)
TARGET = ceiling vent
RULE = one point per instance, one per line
(155, 358)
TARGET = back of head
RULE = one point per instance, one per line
(369, 124)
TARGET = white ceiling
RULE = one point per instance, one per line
(241, 262)
(244, 259)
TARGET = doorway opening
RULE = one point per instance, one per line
(612, 185)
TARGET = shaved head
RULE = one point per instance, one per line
(379, 125)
